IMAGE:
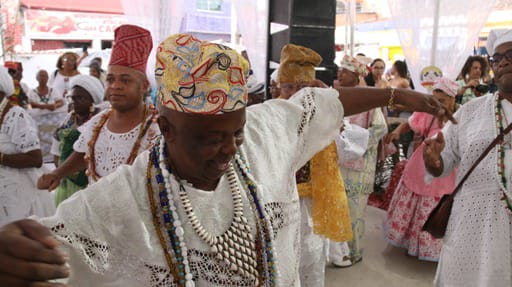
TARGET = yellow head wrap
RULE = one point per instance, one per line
(297, 64)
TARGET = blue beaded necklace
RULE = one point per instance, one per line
(175, 260)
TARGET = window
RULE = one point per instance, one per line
(209, 5)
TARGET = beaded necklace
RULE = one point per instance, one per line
(500, 117)
(144, 126)
(44, 98)
(170, 223)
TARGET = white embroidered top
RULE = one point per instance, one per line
(477, 248)
(18, 196)
(108, 228)
(112, 149)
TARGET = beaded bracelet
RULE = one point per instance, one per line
(391, 101)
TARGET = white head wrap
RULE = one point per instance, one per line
(273, 76)
(92, 85)
(253, 86)
(497, 37)
(6, 84)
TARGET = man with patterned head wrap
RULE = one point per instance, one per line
(117, 135)
(477, 246)
(213, 203)
(324, 207)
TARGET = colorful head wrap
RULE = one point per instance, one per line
(132, 45)
(497, 37)
(446, 85)
(6, 84)
(199, 77)
(297, 64)
(92, 85)
(352, 64)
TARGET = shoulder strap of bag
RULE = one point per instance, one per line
(498, 139)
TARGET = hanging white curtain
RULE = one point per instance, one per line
(459, 25)
(253, 24)
(161, 17)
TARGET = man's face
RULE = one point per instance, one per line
(286, 90)
(200, 147)
(125, 87)
(503, 68)
(347, 78)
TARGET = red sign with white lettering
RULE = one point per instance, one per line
(44, 24)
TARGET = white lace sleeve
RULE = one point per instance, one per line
(20, 126)
(86, 133)
(451, 152)
(108, 232)
(303, 125)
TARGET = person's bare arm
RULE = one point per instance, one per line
(432, 154)
(356, 100)
(395, 134)
(33, 158)
(73, 164)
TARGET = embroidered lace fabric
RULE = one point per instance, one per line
(329, 205)
(477, 248)
(108, 228)
(18, 196)
(112, 149)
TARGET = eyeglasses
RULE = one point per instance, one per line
(496, 58)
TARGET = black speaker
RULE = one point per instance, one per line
(311, 24)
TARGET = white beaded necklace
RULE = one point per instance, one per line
(180, 232)
(235, 248)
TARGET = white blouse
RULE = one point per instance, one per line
(112, 149)
(477, 247)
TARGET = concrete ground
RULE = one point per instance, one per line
(382, 265)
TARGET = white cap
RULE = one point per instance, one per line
(497, 37)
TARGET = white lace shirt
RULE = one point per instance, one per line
(112, 149)
(108, 228)
(477, 247)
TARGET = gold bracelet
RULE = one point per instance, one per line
(391, 101)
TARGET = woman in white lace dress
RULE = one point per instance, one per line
(477, 248)
(20, 159)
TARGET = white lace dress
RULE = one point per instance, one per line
(109, 231)
(477, 248)
(19, 197)
(61, 85)
(112, 149)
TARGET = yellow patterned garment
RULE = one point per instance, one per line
(330, 211)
